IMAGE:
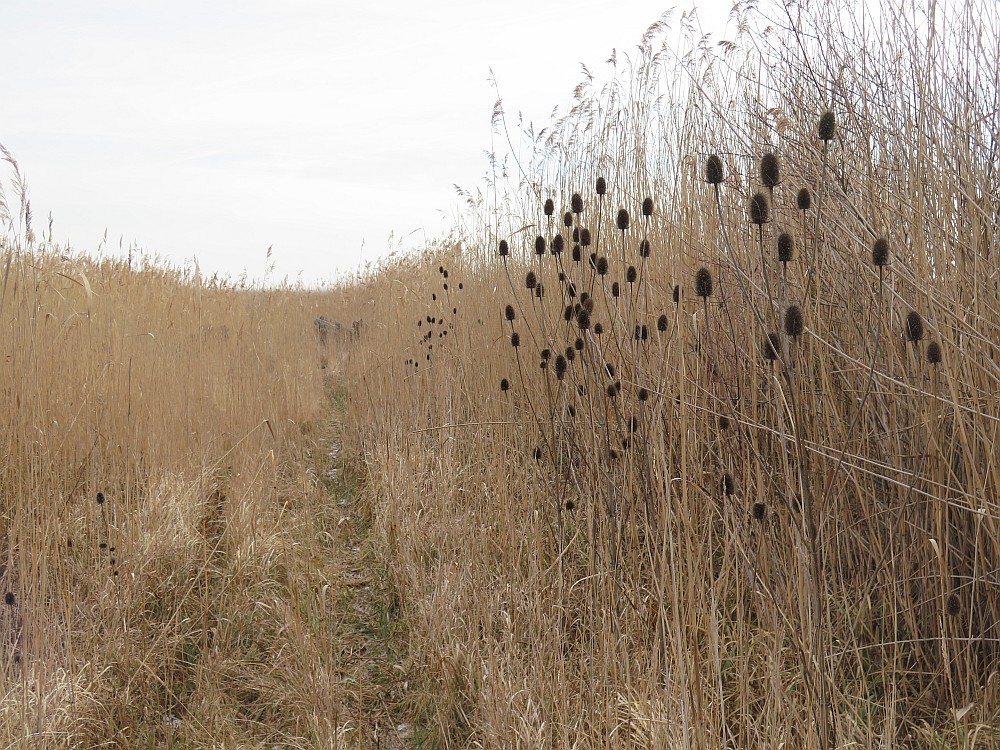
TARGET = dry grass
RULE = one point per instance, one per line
(700, 547)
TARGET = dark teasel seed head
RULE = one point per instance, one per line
(570, 353)
(568, 313)
(598, 329)
(578, 344)
(631, 274)
(100, 498)
(539, 245)
(440, 269)
(638, 332)
(827, 126)
(723, 422)
(567, 219)
(576, 234)
(557, 244)
(530, 280)
(602, 266)
(914, 326)
(759, 511)
(546, 353)
(570, 505)
(647, 206)
(703, 283)
(642, 395)
(504, 249)
(771, 347)
(786, 246)
(713, 170)
(661, 323)
(728, 484)
(576, 253)
(644, 249)
(9, 599)
(515, 339)
(794, 322)
(758, 209)
(508, 312)
(804, 199)
(504, 385)
(611, 391)
(587, 304)
(576, 203)
(953, 605)
(677, 294)
(622, 219)
(550, 207)
(934, 353)
(583, 320)
(615, 289)
(571, 289)
(880, 252)
(769, 172)
(602, 186)
(585, 237)
(584, 296)
(561, 364)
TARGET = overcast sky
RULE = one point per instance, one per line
(213, 130)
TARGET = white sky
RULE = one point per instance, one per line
(212, 130)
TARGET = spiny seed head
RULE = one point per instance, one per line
(557, 244)
(771, 347)
(550, 207)
(723, 422)
(100, 498)
(504, 249)
(585, 237)
(934, 353)
(644, 249)
(616, 289)
(758, 209)
(587, 304)
(786, 246)
(568, 219)
(642, 395)
(561, 364)
(953, 605)
(578, 344)
(713, 170)
(570, 505)
(661, 323)
(9, 598)
(914, 326)
(610, 390)
(546, 353)
(677, 294)
(622, 219)
(880, 252)
(568, 313)
(794, 322)
(598, 329)
(631, 274)
(515, 339)
(602, 186)
(508, 312)
(827, 126)
(602, 266)
(647, 206)
(530, 280)
(769, 172)
(804, 199)
(570, 353)
(583, 320)
(576, 203)
(728, 484)
(576, 253)
(504, 385)
(584, 296)
(758, 511)
(539, 245)
(703, 283)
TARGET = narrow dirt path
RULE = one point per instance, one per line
(371, 639)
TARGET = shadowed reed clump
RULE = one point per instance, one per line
(804, 199)
(770, 175)
(703, 283)
(914, 327)
(758, 209)
(713, 170)
(827, 126)
(794, 323)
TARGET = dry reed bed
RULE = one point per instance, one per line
(161, 507)
(726, 488)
